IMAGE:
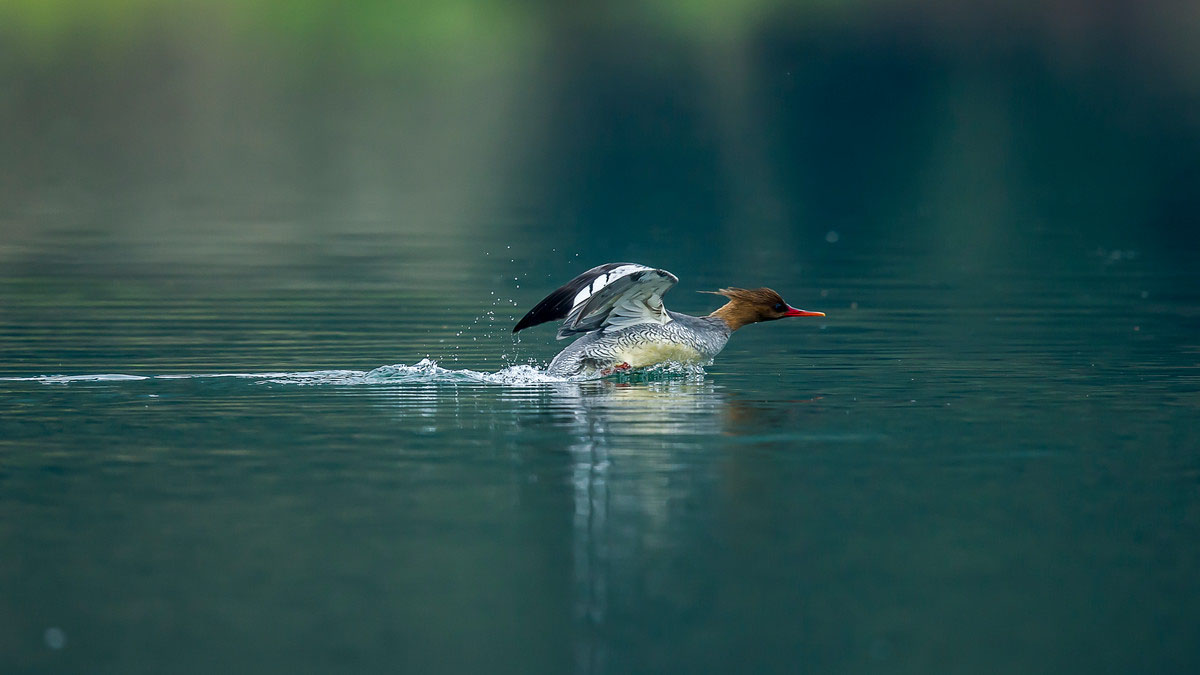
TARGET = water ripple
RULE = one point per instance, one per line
(424, 371)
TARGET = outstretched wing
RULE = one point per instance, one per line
(611, 296)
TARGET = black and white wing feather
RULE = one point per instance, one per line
(608, 297)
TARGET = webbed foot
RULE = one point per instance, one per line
(622, 366)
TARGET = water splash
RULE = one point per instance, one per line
(67, 379)
(425, 371)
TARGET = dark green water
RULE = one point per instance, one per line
(994, 473)
(986, 458)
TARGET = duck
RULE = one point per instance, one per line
(617, 311)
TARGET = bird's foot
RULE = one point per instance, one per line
(616, 368)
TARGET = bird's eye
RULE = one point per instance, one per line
(778, 307)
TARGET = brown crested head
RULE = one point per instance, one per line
(748, 306)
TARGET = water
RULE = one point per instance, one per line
(261, 409)
(923, 477)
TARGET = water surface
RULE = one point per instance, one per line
(919, 479)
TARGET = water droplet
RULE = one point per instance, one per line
(831, 237)
(55, 638)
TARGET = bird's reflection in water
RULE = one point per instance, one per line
(626, 472)
(640, 453)
(670, 409)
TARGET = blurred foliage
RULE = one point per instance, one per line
(1158, 35)
(778, 119)
(375, 28)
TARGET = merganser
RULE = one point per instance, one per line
(618, 309)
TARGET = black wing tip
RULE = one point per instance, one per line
(546, 310)
(528, 321)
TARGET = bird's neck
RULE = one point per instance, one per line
(736, 314)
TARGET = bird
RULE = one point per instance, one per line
(618, 311)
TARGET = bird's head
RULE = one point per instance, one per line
(748, 306)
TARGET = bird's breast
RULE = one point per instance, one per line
(649, 353)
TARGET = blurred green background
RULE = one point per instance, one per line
(747, 120)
